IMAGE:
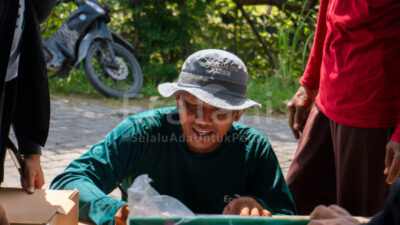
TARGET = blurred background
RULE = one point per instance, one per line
(273, 38)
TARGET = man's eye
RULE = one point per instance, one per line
(223, 112)
(192, 106)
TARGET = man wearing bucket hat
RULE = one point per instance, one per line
(195, 152)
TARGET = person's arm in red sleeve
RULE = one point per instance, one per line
(396, 134)
(310, 78)
(392, 160)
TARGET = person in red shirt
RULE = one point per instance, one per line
(350, 139)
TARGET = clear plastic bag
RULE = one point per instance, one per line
(144, 201)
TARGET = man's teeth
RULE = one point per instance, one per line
(203, 132)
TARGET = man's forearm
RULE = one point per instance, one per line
(94, 205)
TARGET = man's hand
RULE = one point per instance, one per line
(245, 206)
(121, 215)
(33, 174)
(332, 215)
(298, 109)
(392, 161)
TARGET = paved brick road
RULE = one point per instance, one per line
(75, 127)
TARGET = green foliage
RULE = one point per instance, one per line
(288, 37)
(292, 47)
(270, 94)
(75, 83)
(56, 19)
(165, 32)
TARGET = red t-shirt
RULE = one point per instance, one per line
(355, 63)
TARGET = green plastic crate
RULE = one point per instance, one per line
(219, 220)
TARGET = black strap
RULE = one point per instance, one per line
(15, 155)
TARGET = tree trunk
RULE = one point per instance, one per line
(260, 39)
(135, 41)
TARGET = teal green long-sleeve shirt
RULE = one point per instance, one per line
(152, 143)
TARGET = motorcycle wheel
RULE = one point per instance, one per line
(123, 81)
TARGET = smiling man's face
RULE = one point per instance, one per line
(203, 125)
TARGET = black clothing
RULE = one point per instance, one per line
(26, 98)
(391, 214)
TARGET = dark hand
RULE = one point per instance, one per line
(392, 161)
(33, 174)
(332, 215)
(245, 206)
(298, 109)
(121, 215)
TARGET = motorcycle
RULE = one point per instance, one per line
(108, 62)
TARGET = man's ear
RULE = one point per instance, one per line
(238, 114)
(177, 98)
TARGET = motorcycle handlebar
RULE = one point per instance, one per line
(106, 6)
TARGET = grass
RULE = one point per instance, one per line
(271, 95)
(75, 83)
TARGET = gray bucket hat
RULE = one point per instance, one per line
(216, 77)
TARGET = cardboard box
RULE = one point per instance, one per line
(54, 207)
